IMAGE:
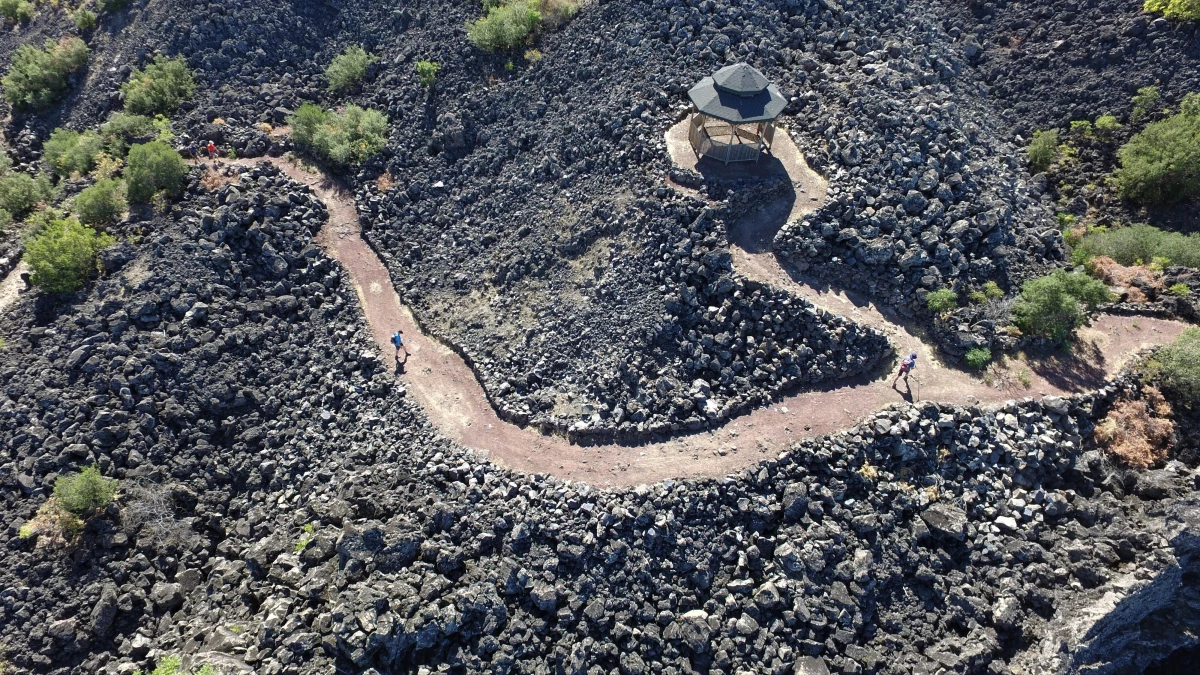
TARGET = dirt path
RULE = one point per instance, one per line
(11, 285)
(455, 402)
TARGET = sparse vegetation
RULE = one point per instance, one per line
(1179, 290)
(111, 5)
(159, 88)
(1143, 102)
(153, 168)
(62, 255)
(1106, 124)
(1025, 377)
(1054, 305)
(1161, 164)
(101, 202)
(1043, 150)
(38, 77)
(1137, 433)
(1139, 244)
(85, 493)
(942, 300)
(70, 152)
(349, 68)
(20, 192)
(1177, 368)
(346, 137)
(309, 530)
(149, 514)
(85, 20)
(427, 72)
(505, 27)
(16, 11)
(1180, 10)
(978, 358)
(993, 291)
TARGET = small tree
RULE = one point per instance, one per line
(16, 11)
(62, 254)
(1043, 150)
(159, 88)
(1054, 305)
(1178, 367)
(85, 20)
(38, 77)
(941, 300)
(346, 137)
(101, 202)
(20, 192)
(1145, 99)
(348, 69)
(427, 72)
(123, 129)
(69, 152)
(152, 168)
(1161, 164)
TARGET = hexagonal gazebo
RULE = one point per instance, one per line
(735, 111)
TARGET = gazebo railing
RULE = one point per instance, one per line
(731, 143)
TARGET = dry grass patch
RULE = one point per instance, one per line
(385, 182)
(1114, 273)
(1137, 433)
(212, 181)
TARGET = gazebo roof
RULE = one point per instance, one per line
(738, 94)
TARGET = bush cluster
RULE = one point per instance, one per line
(62, 255)
(1139, 245)
(20, 192)
(346, 137)
(979, 357)
(1143, 101)
(152, 168)
(348, 69)
(102, 202)
(85, 19)
(159, 88)
(70, 152)
(504, 27)
(941, 300)
(1178, 368)
(38, 77)
(123, 129)
(1043, 150)
(1182, 10)
(16, 11)
(427, 72)
(85, 493)
(1161, 164)
(1054, 305)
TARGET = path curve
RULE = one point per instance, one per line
(453, 399)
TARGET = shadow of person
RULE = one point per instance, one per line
(400, 364)
(907, 394)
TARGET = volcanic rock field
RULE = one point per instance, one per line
(311, 516)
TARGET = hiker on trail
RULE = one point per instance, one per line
(193, 151)
(398, 343)
(906, 367)
(212, 150)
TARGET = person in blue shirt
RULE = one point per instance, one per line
(906, 367)
(398, 343)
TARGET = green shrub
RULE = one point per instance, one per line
(62, 254)
(977, 297)
(1106, 124)
(16, 11)
(152, 168)
(85, 19)
(70, 152)
(1083, 127)
(1137, 244)
(1178, 367)
(38, 77)
(346, 137)
(979, 357)
(1054, 305)
(427, 71)
(111, 5)
(505, 27)
(348, 69)
(993, 291)
(941, 300)
(1161, 164)
(84, 493)
(1143, 101)
(20, 192)
(101, 202)
(1043, 150)
(159, 88)
(1180, 290)
(123, 129)
(1182, 10)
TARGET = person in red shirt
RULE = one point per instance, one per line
(212, 150)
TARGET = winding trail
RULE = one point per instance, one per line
(453, 399)
(444, 385)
